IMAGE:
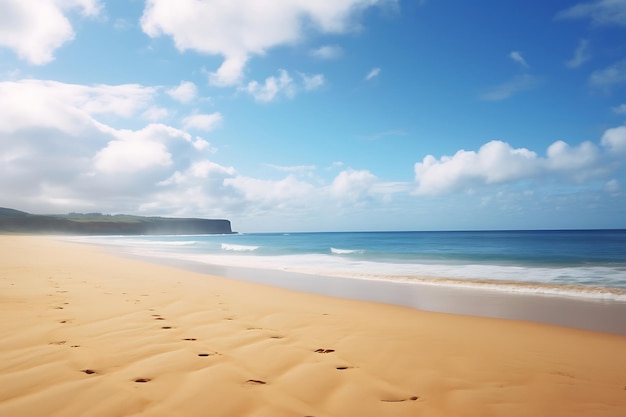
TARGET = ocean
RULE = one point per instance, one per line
(576, 263)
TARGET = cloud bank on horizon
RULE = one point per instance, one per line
(327, 115)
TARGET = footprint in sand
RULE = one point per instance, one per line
(343, 368)
(324, 350)
(414, 398)
(59, 343)
(89, 371)
(143, 380)
(191, 339)
(255, 382)
(166, 327)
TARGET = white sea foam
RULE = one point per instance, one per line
(344, 251)
(238, 248)
(599, 282)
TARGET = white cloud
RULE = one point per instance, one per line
(184, 93)
(327, 52)
(58, 152)
(201, 145)
(205, 122)
(374, 72)
(200, 170)
(600, 12)
(66, 107)
(283, 85)
(237, 30)
(510, 88)
(579, 164)
(36, 29)
(134, 151)
(497, 162)
(284, 192)
(272, 88)
(615, 140)
(581, 55)
(155, 113)
(517, 57)
(352, 185)
(313, 82)
(610, 77)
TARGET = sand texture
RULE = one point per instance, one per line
(86, 333)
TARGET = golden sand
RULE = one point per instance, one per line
(86, 333)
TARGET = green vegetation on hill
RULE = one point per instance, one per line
(15, 221)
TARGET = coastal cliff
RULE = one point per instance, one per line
(15, 221)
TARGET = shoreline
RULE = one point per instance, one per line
(436, 295)
(90, 333)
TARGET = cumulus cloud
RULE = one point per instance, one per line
(273, 86)
(581, 55)
(608, 78)
(58, 150)
(327, 52)
(184, 93)
(600, 12)
(200, 170)
(204, 122)
(517, 57)
(497, 162)
(510, 88)
(36, 29)
(240, 29)
(353, 185)
(66, 107)
(374, 72)
(615, 140)
(283, 85)
(134, 151)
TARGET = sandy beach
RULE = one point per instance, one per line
(88, 333)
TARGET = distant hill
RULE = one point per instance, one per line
(15, 221)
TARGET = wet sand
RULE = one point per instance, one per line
(87, 333)
(597, 314)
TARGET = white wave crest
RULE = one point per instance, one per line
(239, 248)
(344, 251)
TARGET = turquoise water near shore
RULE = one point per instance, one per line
(579, 263)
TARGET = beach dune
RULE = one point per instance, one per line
(87, 333)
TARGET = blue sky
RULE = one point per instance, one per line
(292, 115)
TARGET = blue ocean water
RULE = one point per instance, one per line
(586, 263)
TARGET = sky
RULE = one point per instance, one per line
(326, 115)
